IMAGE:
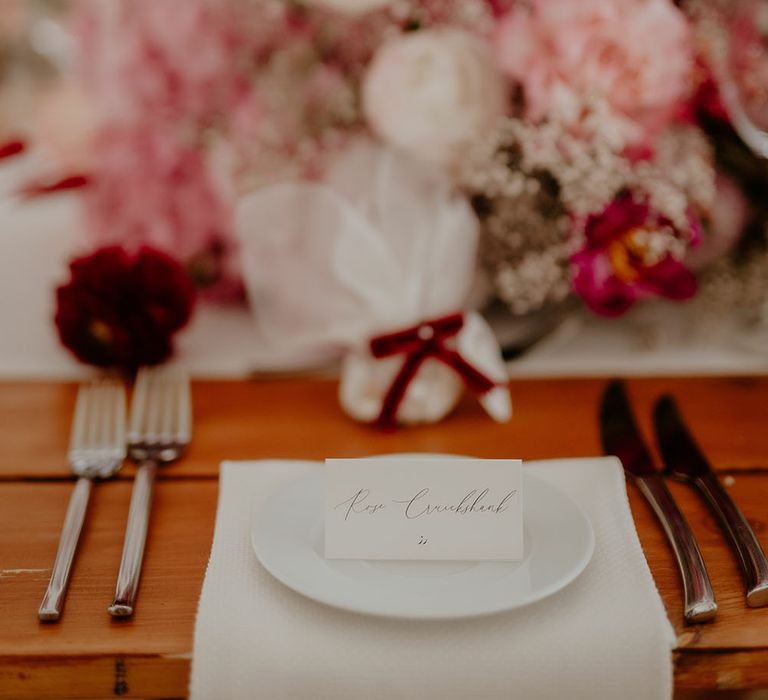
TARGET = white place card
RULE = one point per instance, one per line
(424, 508)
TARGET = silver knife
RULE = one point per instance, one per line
(684, 460)
(620, 437)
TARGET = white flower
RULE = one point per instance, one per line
(350, 7)
(432, 92)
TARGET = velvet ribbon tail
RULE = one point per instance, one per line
(387, 418)
(477, 382)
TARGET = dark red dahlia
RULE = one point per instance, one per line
(121, 309)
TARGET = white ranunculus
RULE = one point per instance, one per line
(431, 92)
(350, 7)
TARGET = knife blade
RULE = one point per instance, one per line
(621, 437)
(684, 460)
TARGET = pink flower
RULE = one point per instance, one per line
(636, 54)
(152, 57)
(150, 187)
(631, 253)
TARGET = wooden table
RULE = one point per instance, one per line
(87, 654)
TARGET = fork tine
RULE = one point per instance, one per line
(91, 416)
(118, 417)
(167, 411)
(104, 415)
(139, 405)
(183, 410)
(77, 436)
(113, 416)
(153, 400)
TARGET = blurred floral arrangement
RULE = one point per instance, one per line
(599, 147)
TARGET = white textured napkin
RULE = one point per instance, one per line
(604, 636)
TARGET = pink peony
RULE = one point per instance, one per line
(631, 253)
(636, 54)
(150, 187)
(153, 57)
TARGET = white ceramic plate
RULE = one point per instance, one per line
(287, 536)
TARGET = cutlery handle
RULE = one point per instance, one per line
(53, 602)
(135, 538)
(751, 556)
(700, 604)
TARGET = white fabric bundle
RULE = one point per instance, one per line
(383, 244)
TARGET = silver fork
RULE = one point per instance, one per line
(96, 451)
(160, 430)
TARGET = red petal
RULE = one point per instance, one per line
(12, 148)
(670, 279)
(69, 182)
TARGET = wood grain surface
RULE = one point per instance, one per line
(301, 418)
(88, 654)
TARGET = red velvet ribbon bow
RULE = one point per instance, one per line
(419, 343)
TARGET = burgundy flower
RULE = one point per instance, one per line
(630, 253)
(121, 309)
